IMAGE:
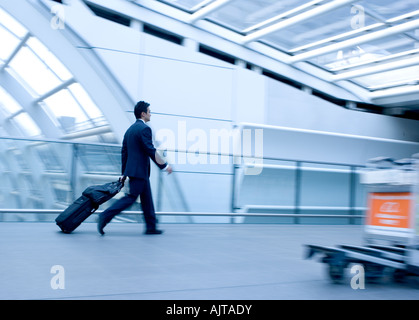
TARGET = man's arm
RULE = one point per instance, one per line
(151, 151)
(124, 155)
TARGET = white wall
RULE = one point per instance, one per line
(288, 106)
(197, 93)
(184, 85)
(180, 81)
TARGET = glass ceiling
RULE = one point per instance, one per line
(371, 43)
(335, 35)
(49, 83)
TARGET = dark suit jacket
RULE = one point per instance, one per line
(137, 149)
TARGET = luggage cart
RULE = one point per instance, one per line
(391, 231)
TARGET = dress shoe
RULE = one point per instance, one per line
(100, 225)
(154, 231)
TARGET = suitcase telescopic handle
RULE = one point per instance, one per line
(379, 163)
(375, 162)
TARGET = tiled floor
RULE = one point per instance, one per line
(189, 261)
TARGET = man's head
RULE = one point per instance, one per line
(142, 111)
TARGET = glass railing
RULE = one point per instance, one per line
(46, 176)
(40, 178)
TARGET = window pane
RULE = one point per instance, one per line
(10, 23)
(35, 74)
(84, 100)
(48, 153)
(315, 29)
(365, 52)
(63, 108)
(242, 14)
(100, 159)
(27, 125)
(409, 75)
(184, 4)
(389, 8)
(8, 43)
(7, 103)
(49, 59)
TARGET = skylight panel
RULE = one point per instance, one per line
(12, 25)
(49, 59)
(366, 52)
(36, 76)
(240, 15)
(8, 43)
(339, 21)
(8, 104)
(64, 107)
(403, 76)
(189, 5)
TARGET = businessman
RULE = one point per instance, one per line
(137, 150)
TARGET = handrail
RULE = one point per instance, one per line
(298, 209)
(187, 213)
(208, 153)
(99, 144)
(234, 210)
(311, 131)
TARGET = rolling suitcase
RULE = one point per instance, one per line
(85, 205)
(75, 214)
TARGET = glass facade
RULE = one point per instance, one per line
(49, 83)
(293, 27)
(65, 169)
(298, 27)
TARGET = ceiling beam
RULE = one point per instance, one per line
(295, 20)
(87, 133)
(282, 15)
(376, 60)
(335, 38)
(200, 5)
(15, 51)
(394, 92)
(407, 26)
(84, 64)
(389, 85)
(201, 13)
(207, 33)
(25, 100)
(53, 91)
(376, 69)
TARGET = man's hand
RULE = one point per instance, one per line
(159, 158)
(169, 169)
(122, 179)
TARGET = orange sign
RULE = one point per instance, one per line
(389, 209)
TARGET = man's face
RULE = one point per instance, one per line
(146, 116)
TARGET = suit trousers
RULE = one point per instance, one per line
(137, 187)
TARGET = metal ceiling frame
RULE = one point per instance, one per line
(192, 24)
(101, 87)
(204, 32)
(29, 104)
(282, 15)
(377, 69)
(25, 100)
(250, 37)
(206, 10)
(400, 28)
(15, 51)
(316, 11)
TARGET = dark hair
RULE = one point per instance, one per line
(140, 107)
